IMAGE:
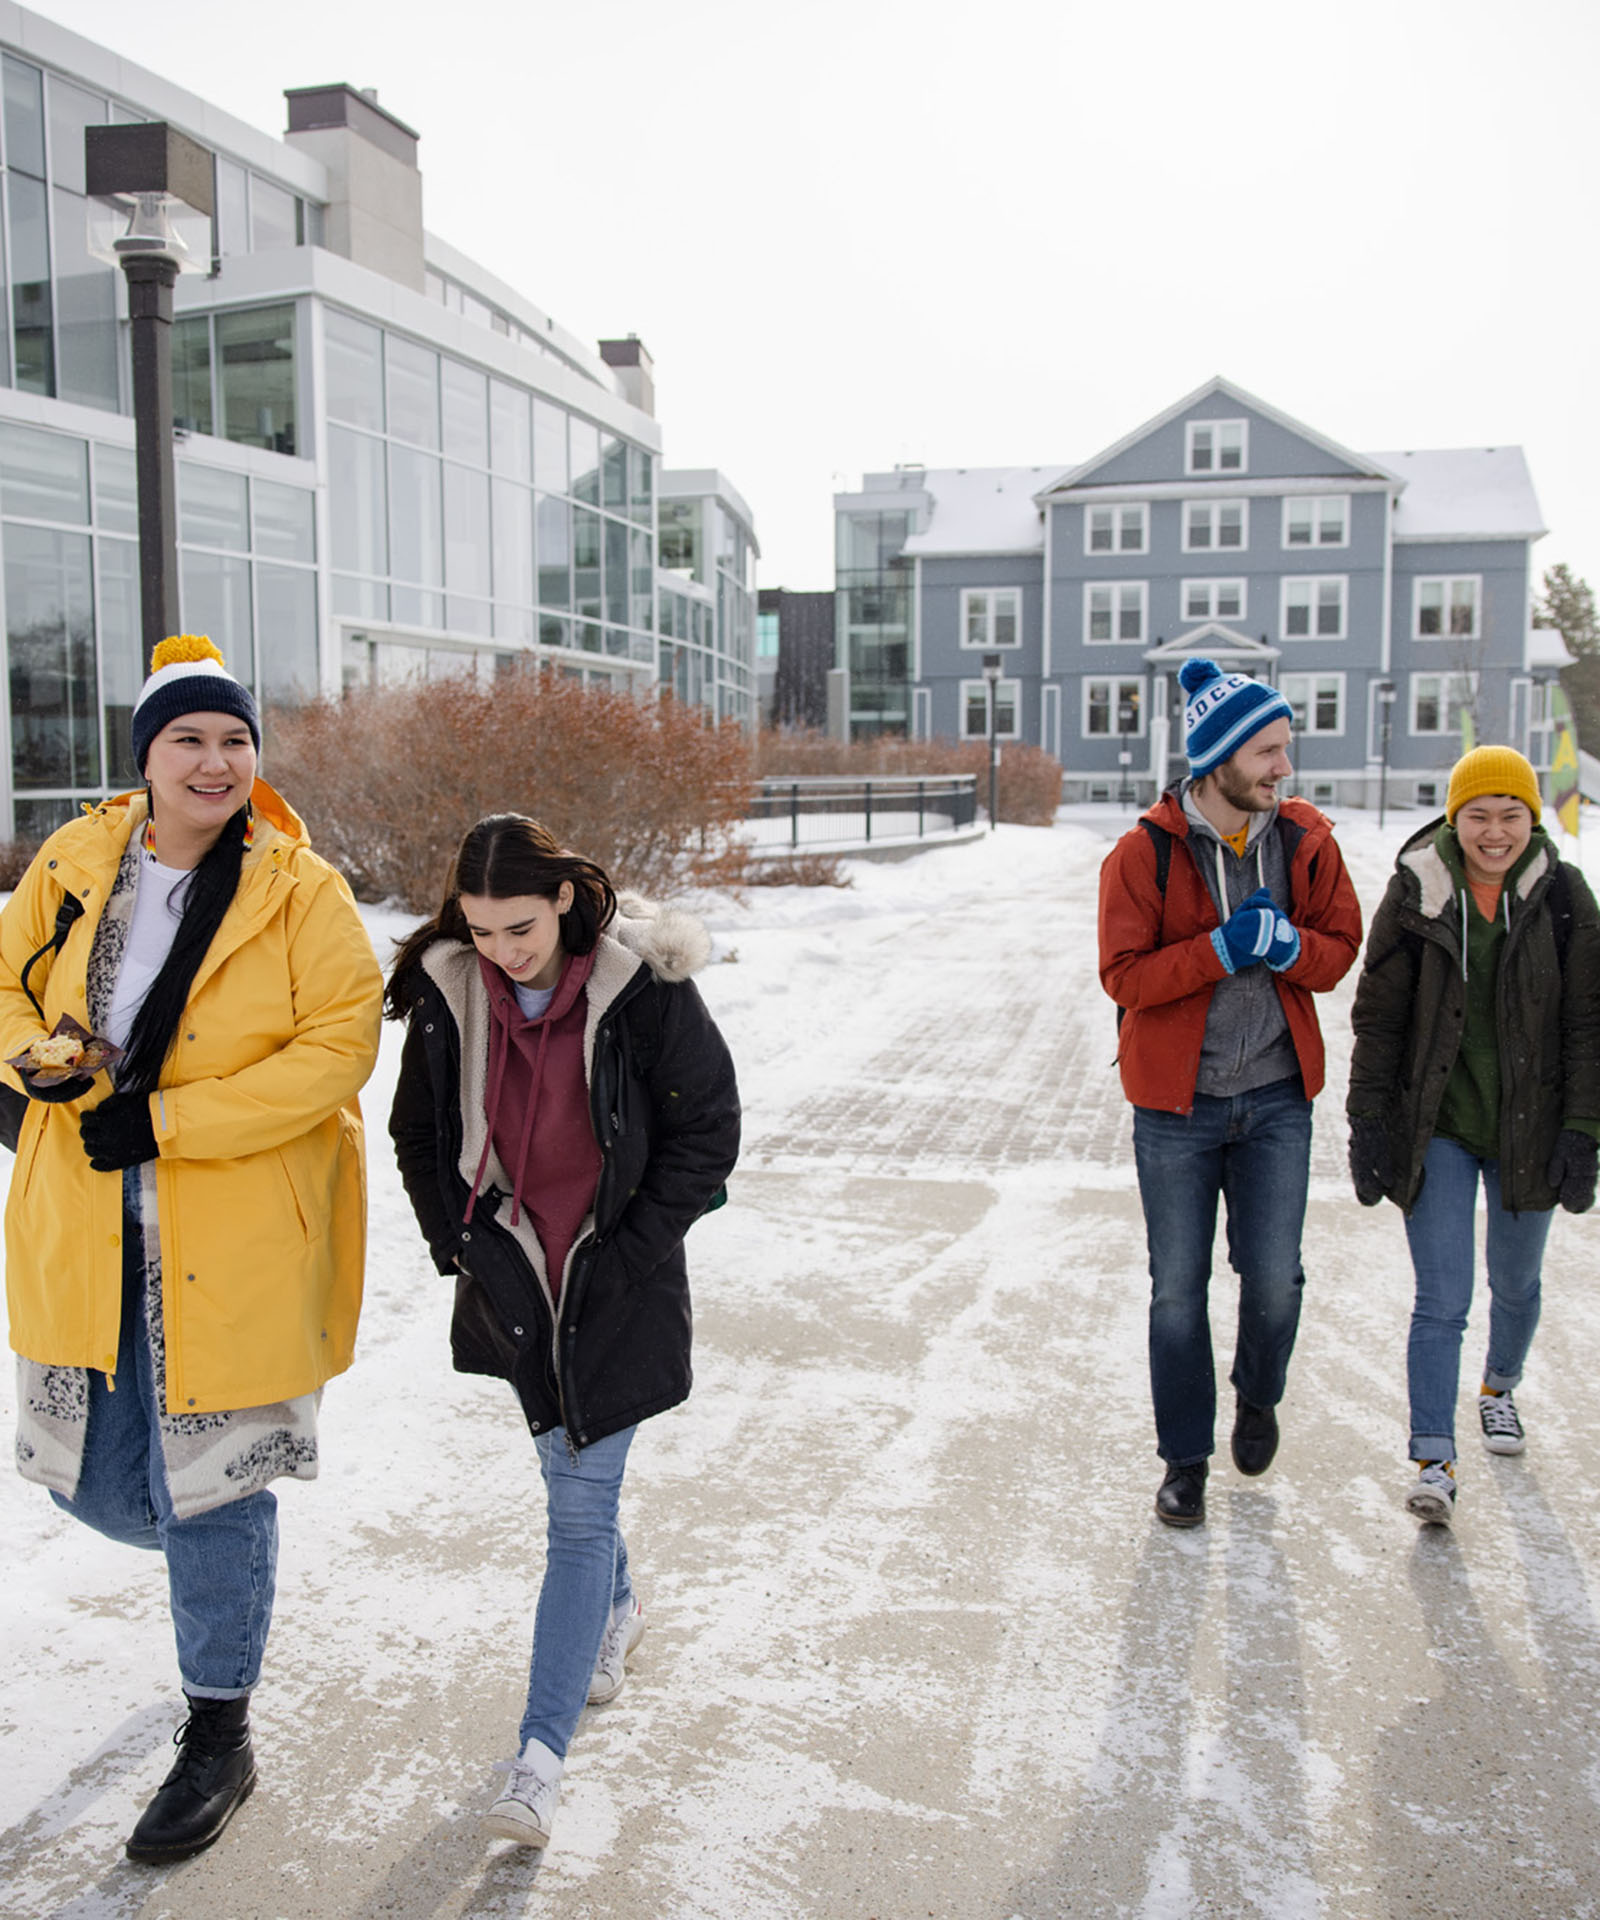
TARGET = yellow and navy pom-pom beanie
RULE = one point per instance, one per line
(1492, 770)
(188, 675)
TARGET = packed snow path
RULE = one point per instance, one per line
(917, 1645)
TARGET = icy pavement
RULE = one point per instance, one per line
(917, 1645)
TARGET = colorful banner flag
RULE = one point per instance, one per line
(1561, 782)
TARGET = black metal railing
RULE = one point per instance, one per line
(846, 810)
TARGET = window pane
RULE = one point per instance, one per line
(977, 619)
(1230, 448)
(44, 476)
(586, 562)
(1100, 613)
(1330, 524)
(616, 537)
(55, 707)
(1297, 610)
(1299, 523)
(191, 374)
(357, 503)
(121, 651)
(975, 716)
(285, 521)
(641, 569)
(86, 310)
(614, 466)
(216, 601)
(513, 544)
(550, 467)
(71, 110)
(416, 519)
(256, 352)
(1428, 705)
(466, 530)
(585, 460)
(24, 100)
(1100, 530)
(212, 508)
(1230, 526)
(1197, 602)
(232, 219)
(1330, 607)
(680, 537)
(1199, 526)
(1200, 450)
(1005, 707)
(1132, 534)
(553, 519)
(1099, 720)
(287, 600)
(366, 599)
(510, 431)
(1463, 607)
(413, 391)
(466, 413)
(1005, 620)
(1130, 624)
(1430, 606)
(272, 216)
(1328, 707)
(1230, 599)
(116, 490)
(353, 359)
(30, 284)
(641, 483)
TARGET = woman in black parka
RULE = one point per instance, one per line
(1477, 1058)
(566, 1109)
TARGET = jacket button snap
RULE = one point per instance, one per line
(52, 864)
(191, 1403)
(116, 1240)
(188, 1276)
(533, 1426)
(466, 1235)
(517, 1331)
(188, 1036)
(428, 1028)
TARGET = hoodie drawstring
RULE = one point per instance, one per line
(527, 1123)
(497, 1070)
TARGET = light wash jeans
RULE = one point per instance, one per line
(585, 1581)
(1441, 1228)
(1252, 1150)
(221, 1565)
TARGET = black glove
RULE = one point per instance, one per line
(1572, 1169)
(73, 1089)
(118, 1133)
(1371, 1164)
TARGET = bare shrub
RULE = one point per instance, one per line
(388, 779)
(16, 856)
(1029, 783)
(798, 870)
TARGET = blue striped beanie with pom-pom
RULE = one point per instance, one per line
(1222, 710)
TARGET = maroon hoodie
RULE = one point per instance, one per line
(537, 1105)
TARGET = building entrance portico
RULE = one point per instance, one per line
(1233, 651)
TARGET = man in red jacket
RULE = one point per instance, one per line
(1221, 914)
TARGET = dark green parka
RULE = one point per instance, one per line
(1411, 1004)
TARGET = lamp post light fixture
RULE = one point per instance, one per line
(991, 674)
(151, 195)
(1385, 690)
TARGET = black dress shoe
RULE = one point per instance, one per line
(212, 1779)
(1255, 1437)
(1181, 1501)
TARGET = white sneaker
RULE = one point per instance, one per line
(1497, 1415)
(1433, 1499)
(528, 1805)
(610, 1669)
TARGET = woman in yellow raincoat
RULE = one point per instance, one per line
(185, 1234)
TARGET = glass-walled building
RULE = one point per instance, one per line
(390, 464)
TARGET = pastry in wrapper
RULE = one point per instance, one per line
(70, 1053)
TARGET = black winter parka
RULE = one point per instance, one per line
(1410, 1010)
(665, 1110)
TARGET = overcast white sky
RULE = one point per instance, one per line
(854, 232)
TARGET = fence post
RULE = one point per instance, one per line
(866, 788)
(794, 815)
(920, 785)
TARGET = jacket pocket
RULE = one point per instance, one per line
(479, 1342)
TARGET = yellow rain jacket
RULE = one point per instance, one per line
(261, 1180)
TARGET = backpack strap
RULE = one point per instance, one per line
(1161, 841)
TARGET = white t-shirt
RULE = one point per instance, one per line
(150, 936)
(534, 1001)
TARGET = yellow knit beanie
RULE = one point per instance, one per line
(1492, 770)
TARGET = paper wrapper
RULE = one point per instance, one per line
(97, 1054)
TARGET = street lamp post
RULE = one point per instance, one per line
(1385, 690)
(150, 202)
(991, 674)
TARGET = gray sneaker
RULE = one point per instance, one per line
(1433, 1499)
(528, 1805)
(1497, 1415)
(610, 1669)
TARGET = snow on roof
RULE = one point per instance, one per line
(983, 510)
(1462, 493)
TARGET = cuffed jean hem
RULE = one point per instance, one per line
(1433, 1446)
(1498, 1382)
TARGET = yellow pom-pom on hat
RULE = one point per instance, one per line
(188, 675)
(1492, 770)
(185, 646)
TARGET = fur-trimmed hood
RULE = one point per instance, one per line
(1439, 883)
(672, 944)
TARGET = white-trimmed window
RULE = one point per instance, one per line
(1114, 611)
(1120, 529)
(991, 617)
(1314, 608)
(1447, 609)
(1216, 446)
(1316, 520)
(1213, 599)
(975, 709)
(1216, 526)
(1317, 700)
(1113, 707)
(1438, 701)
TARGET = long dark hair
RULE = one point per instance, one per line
(207, 895)
(503, 857)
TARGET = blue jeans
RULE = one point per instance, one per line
(585, 1581)
(1254, 1150)
(221, 1565)
(1441, 1230)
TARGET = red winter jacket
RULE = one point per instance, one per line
(1157, 961)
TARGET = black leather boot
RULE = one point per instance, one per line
(212, 1779)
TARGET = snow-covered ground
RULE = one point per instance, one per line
(917, 1645)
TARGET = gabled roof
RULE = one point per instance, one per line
(1213, 641)
(983, 510)
(1465, 493)
(1083, 475)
